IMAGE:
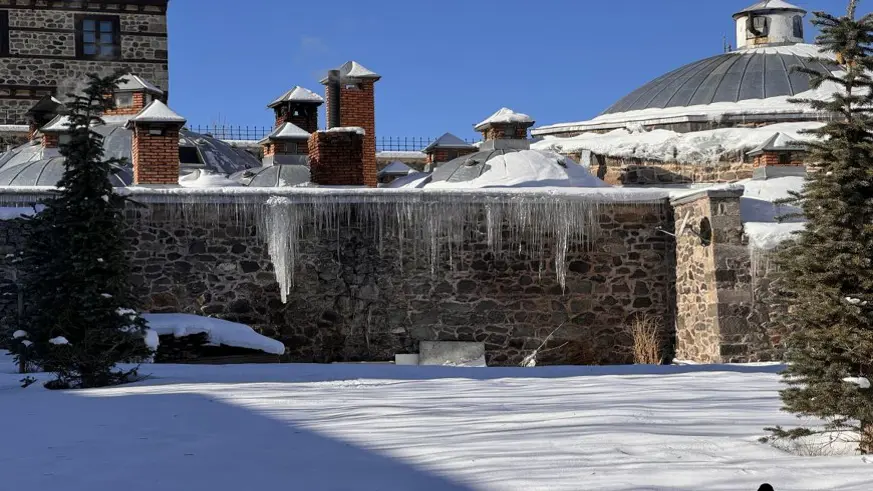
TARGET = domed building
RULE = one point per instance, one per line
(505, 159)
(708, 113)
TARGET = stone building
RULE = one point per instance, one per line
(47, 47)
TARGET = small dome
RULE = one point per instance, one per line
(757, 73)
(513, 168)
(30, 165)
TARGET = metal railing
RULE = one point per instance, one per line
(255, 133)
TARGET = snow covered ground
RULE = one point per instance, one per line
(381, 427)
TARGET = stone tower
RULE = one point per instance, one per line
(351, 102)
(769, 22)
(54, 44)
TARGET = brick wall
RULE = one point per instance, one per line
(768, 159)
(440, 155)
(499, 132)
(51, 140)
(42, 56)
(357, 108)
(307, 119)
(337, 159)
(156, 158)
(139, 103)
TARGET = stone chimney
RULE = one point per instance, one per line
(299, 107)
(351, 101)
(769, 22)
(133, 95)
(780, 156)
(156, 145)
(505, 129)
(286, 144)
(336, 158)
(447, 147)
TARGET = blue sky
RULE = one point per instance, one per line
(446, 65)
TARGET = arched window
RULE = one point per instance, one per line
(757, 26)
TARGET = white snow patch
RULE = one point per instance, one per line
(861, 382)
(58, 341)
(205, 179)
(152, 340)
(768, 236)
(221, 332)
(11, 213)
(19, 334)
(27, 343)
(504, 115)
(105, 295)
(346, 129)
(401, 155)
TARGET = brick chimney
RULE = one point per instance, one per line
(42, 113)
(133, 95)
(336, 158)
(299, 107)
(447, 147)
(156, 145)
(351, 103)
(52, 134)
(505, 124)
(286, 144)
(779, 156)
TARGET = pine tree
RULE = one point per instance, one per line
(828, 268)
(75, 269)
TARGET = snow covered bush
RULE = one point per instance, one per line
(75, 272)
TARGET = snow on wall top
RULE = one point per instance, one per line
(346, 129)
(158, 112)
(405, 155)
(221, 332)
(670, 146)
(504, 115)
(298, 94)
(287, 131)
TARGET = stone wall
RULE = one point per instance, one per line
(725, 314)
(355, 299)
(643, 172)
(43, 58)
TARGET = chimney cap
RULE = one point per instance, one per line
(157, 112)
(48, 104)
(354, 70)
(768, 6)
(448, 141)
(298, 94)
(779, 142)
(135, 83)
(505, 116)
(60, 124)
(286, 131)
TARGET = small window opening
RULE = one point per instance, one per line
(784, 159)
(758, 27)
(705, 232)
(124, 100)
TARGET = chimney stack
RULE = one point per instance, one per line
(133, 95)
(336, 158)
(299, 107)
(351, 103)
(156, 145)
(505, 129)
(445, 148)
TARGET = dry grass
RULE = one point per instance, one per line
(648, 347)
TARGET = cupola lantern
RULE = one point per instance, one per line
(768, 23)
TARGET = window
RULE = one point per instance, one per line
(758, 27)
(98, 37)
(798, 26)
(4, 32)
(784, 159)
(124, 100)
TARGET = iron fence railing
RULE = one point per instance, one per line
(255, 133)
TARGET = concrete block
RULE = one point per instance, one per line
(451, 353)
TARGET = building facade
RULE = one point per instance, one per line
(48, 47)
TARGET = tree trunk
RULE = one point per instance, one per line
(866, 446)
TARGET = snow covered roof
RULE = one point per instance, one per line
(401, 155)
(298, 94)
(513, 168)
(353, 69)
(750, 84)
(778, 142)
(135, 83)
(448, 140)
(504, 115)
(286, 131)
(769, 5)
(157, 112)
(395, 169)
(669, 146)
(60, 124)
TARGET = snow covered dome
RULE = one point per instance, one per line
(512, 168)
(32, 165)
(749, 85)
